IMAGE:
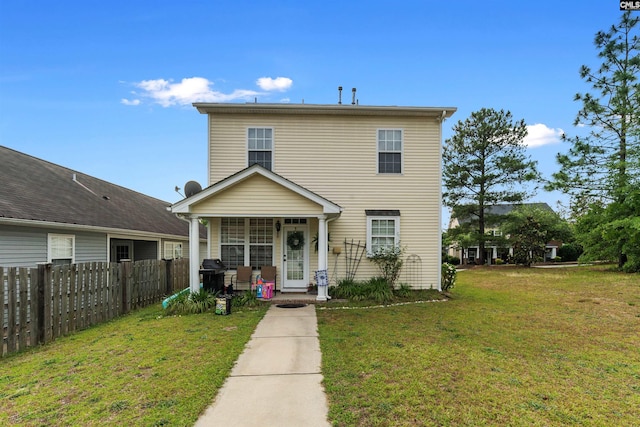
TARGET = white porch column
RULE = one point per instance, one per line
(194, 254)
(322, 254)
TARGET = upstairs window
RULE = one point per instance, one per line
(390, 151)
(260, 147)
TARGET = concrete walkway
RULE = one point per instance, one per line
(276, 380)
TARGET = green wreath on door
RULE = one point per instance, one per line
(295, 240)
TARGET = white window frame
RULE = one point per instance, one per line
(247, 243)
(170, 248)
(271, 150)
(242, 243)
(393, 151)
(396, 237)
(50, 253)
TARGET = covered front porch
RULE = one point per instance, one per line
(258, 218)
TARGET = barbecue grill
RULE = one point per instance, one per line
(213, 275)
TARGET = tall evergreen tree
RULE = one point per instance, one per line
(484, 164)
(601, 169)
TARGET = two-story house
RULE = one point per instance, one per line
(283, 176)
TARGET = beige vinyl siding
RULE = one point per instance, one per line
(336, 157)
(257, 196)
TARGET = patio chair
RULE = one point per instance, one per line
(269, 274)
(244, 275)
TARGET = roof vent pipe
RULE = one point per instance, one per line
(353, 96)
(339, 95)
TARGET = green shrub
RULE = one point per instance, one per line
(346, 289)
(246, 299)
(177, 305)
(379, 290)
(389, 261)
(376, 289)
(449, 274)
(570, 251)
(403, 291)
(632, 265)
(193, 303)
(499, 261)
(451, 260)
(557, 259)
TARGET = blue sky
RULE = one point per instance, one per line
(106, 88)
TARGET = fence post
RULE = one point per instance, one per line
(43, 295)
(125, 285)
(169, 281)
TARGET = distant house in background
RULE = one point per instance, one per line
(493, 251)
(49, 213)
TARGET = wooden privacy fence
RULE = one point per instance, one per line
(40, 304)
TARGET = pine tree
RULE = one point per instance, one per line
(602, 169)
(484, 164)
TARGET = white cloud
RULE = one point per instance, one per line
(198, 89)
(539, 135)
(187, 91)
(279, 83)
(130, 101)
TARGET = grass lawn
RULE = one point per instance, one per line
(142, 369)
(523, 347)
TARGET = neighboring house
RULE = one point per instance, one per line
(470, 253)
(49, 213)
(284, 178)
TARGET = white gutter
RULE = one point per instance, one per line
(81, 227)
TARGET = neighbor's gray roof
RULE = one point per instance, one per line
(37, 190)
(504, 209)
(507, 208)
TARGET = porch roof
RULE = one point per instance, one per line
(253, 182)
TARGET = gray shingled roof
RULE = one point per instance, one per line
(507, 208)
(34, 189)
(504, 209)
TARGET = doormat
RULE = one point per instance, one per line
(290, 305)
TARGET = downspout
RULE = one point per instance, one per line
(439, 265)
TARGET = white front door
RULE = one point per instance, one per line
(296, 258)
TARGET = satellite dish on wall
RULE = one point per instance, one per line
(191, 188)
